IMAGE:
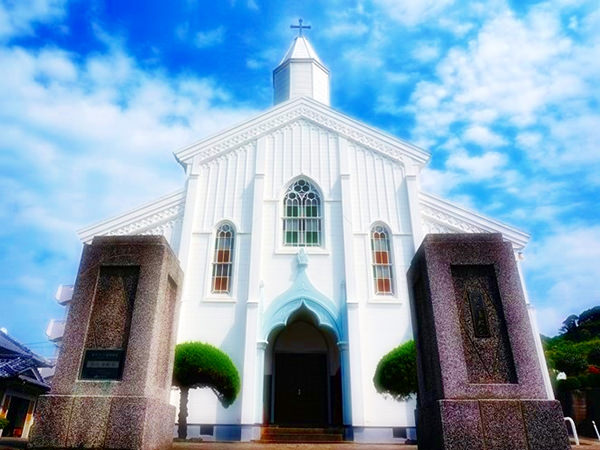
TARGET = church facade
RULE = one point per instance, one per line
(295, 230)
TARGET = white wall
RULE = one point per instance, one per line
(224, 190)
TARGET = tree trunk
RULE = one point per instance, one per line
(183, 412)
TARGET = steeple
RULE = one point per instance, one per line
(301, 73)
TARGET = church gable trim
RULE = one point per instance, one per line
(151, 218)
(310, 110)
(441, 216)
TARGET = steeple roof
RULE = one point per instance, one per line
(301, 49)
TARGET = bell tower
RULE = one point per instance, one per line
(301, 73)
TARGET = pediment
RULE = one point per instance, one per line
(153, 218)
(442, 216)
(302, 109)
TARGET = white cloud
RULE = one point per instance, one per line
(346, 29)
(94, 137)
(210, 38)
(476, 168)
(426, 51)
(563, 268)
(18, 17)
(412, 12)
(483, 136)
(521, 83)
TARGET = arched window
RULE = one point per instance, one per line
(382, 260)
(223, 260)
(302, 215)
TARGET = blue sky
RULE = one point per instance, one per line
(96, 95)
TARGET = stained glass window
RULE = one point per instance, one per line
(223, 260)
(382, 260)
(302, 215)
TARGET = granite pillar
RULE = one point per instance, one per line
(480, 381)
(113, 377)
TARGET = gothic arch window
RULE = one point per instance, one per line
(383, 275)
(302, 215)
(223, 259)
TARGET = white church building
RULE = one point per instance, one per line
(295, 230)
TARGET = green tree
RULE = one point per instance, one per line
(199, 365)
(570, 324)
(571, 364)
(589, 316)
(396, 372)
(593, 356)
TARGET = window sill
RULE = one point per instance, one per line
(216, 299)
(385, 299)
(307, 250)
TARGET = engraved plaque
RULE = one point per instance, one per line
(479, 318)
(486, 346)
(102, 364)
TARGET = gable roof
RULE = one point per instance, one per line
(149, 218)
(441, 216)
(313, 111)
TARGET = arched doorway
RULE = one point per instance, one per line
(303, 375)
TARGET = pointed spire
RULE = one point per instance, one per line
(301, 72)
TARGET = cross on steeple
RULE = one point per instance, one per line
(300, 27)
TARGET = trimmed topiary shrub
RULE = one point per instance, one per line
(199, 365)
(396, 373)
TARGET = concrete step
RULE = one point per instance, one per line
(301, 434)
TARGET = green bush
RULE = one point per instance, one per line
(570, 363)
(3, 423)
(200, 365)
(593, 356)
(590, 380)
(396, 373)
(568, 385)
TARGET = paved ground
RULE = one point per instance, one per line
(269, 446)
(9, 444)
(587, 444)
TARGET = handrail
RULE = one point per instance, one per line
(596, 429)
(570, 421)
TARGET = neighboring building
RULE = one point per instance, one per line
(295, 230)
(20, 385)
(56, 328)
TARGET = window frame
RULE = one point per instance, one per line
(319, 219)
(212, 294)
(392, 294)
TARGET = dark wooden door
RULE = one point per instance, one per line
(300, 389)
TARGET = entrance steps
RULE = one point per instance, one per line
(298, 434)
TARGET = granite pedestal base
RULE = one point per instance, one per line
(481, 384)
(112, 382)
(492, 425)
(67, 421)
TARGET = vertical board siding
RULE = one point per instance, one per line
(301, 148)
(378, 191)
(225, 190)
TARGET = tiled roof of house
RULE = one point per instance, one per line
(15, 358)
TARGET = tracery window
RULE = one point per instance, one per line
(223, 259)
(382, 260)
(302, 215)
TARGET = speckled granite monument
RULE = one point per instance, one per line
(480, 381)
(113, 378)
